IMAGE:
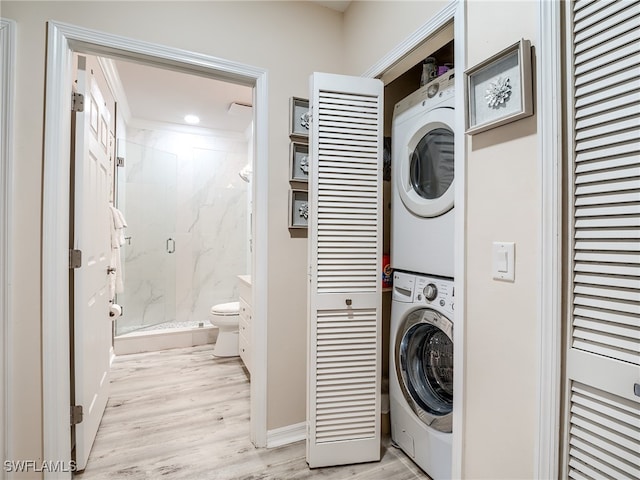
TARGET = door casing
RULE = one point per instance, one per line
(548, 110)
(63, 41)
(7, 69)
(454, 11)
(550, 267)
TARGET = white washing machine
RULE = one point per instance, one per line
(421, 370)
(422, 214)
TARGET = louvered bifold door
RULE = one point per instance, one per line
(603, 358)
(345, 242)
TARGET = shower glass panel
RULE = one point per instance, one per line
(147, 197)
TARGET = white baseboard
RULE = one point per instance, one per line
(155, 340)
(286, 435)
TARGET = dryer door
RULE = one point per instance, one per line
(425, 165)
(424, 365)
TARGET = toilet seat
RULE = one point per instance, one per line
(226, 309)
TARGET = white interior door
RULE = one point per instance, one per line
(603, 356)
(91, 235)
(345, 254)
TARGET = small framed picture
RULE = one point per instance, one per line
(299, 162)
(499, 90)
(298, 209)
(299, 118)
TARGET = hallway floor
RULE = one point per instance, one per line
(183, 414)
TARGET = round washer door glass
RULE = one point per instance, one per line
(425, 357)
(423, 163)
(431, 168)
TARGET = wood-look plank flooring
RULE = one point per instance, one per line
(184, 414)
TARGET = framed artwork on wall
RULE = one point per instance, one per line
(299, 118)
(299, 162)
(298, 209)
(499, 89)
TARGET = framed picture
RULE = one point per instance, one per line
(499, 89)
(299, 164)
(298, 209)
(299, 117)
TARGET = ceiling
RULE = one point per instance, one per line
(159, 95)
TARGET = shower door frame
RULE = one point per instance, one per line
(126, 299)
(63, 41)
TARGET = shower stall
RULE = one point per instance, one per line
(186, 210)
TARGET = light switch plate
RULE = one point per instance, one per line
(503, 261)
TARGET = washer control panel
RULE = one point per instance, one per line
(434, 292)
(403, 287)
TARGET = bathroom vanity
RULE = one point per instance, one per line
(244, 338)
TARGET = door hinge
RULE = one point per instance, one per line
(119, 161)
(77, 102)
(75, 258)
(76, 414)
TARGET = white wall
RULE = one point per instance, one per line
(291, 40)
(502, 205)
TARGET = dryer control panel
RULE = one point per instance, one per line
(437, 293)
(429, 95)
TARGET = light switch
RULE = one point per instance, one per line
(503, 261)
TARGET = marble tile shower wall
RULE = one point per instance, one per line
(189, 191)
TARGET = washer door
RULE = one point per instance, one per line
(424, 365)
(425, 176)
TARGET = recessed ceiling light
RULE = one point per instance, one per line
(192, 119)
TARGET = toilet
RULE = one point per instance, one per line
(226, 316)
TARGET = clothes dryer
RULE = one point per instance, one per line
(421, 370)
(422, 214)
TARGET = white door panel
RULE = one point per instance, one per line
(345, 253)
(602, 419)
(92, 325)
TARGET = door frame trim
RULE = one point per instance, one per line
(454, 11)
(435, 23)
(549, 314)
(550, 266)
(63, 40)
(7, 85)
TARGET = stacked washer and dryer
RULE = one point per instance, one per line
(422, 256)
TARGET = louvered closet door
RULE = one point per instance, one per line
(345, 250)
(603, 360)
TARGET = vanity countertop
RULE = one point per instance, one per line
(246, 279)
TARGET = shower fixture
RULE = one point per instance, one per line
(245, 173)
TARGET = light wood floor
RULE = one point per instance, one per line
(183, 414)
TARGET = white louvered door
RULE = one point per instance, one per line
(345, 253)
(603, 357)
